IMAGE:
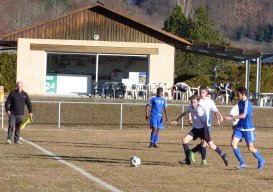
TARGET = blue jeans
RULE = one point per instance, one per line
(14, 122)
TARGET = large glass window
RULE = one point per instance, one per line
(82, 69)
(119, 68)
(110, 67)
(71, 64)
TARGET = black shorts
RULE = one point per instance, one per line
(200, 133)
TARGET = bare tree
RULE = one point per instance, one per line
(186, 6)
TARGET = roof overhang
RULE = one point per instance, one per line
(8, 43)
(221, 51)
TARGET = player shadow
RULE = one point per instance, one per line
(191, 144)
(72, 158)
(89, 145)
(139, 145)
(89, 159)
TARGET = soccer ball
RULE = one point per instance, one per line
(135, 161)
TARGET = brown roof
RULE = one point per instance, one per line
(144, 32)
(96, 6)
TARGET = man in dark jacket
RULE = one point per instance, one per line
(15, 105)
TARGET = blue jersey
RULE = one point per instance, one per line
(210, 121)
(157, 104)
(246, 123)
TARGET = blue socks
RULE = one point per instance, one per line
(258, 156)
(239, 156)
(154, 138)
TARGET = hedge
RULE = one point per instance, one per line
(8, 71)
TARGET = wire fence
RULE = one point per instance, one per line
(94, 113)
(120, 115)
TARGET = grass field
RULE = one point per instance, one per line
(104, 151)
(90, 139)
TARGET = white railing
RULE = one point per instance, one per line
(121, 108)
(105, 103)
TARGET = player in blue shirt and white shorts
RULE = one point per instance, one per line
(158, 104)
(244, 129)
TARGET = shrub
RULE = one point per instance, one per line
(8, 71)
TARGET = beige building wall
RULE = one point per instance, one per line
(31, 64)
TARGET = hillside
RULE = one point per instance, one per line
(247, 24)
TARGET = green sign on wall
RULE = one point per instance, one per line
(51, 83)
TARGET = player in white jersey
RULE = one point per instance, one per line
(210, 107)
(200, 130)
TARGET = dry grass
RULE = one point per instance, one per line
(105, 152)
(91, 139)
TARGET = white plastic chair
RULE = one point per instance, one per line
(152, 86)
(223, 95)
(194, 89)
(167, 89)
(131, 90)
(180, 94)
(268, 102)
(142, 89)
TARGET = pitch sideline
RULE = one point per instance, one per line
(78, 169)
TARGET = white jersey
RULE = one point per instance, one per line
(209, 106)
(198, 116)
(234, 112)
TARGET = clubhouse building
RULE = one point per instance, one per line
(97, 44)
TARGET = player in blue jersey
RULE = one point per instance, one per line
(244, 129)
(157, 105)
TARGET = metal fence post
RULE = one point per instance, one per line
(59, 115)
(121, 107)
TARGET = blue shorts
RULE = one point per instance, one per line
(156, 122)
(250, 136)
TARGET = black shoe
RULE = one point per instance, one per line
(18, 142)
(155, 146)
(225, 159)
(185, 162)
(151, 145)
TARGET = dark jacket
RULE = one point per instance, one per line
(16, 102)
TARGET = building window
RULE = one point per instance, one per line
(71, 64)
(118, 68)
(82, 70)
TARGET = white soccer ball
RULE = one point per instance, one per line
(135, 161)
